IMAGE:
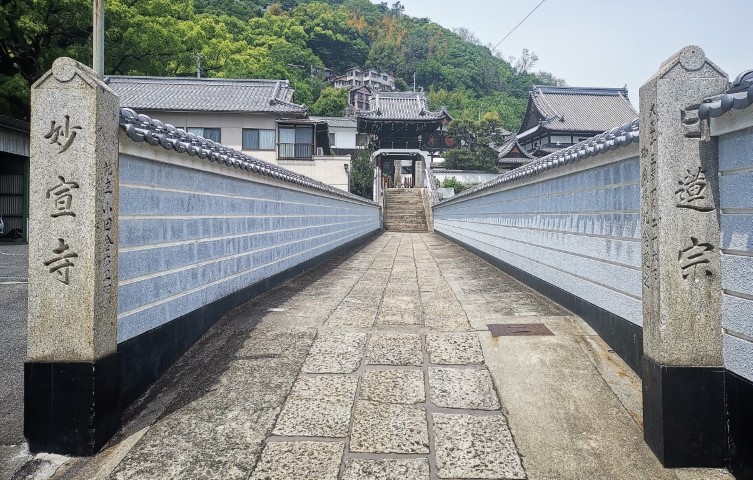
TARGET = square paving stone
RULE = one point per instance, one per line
(475, 447)
(271, 343)
(393, 386)
(403, 311)
(395, 349)
(413, 469)
(389, 428)
(446, 323)
(318, 407)
(335, 353)
(462, 388)
(299, 461)
(454, 349)
(354, 313)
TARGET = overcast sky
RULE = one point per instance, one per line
(594, 43)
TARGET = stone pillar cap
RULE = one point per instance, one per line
(65, 69)
(691, 61)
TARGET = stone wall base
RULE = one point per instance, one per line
(684, 414)
(71, 408)
(739, 393)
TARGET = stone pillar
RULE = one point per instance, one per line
(398, 173)
(419, 172)
(72, 372)
(682, 372)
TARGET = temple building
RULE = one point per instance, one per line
(400, 124)
(511, 155)
(558, 117)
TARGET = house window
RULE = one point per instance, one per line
(296, 142)
(212, 134)
(332, 139)
(258, 139)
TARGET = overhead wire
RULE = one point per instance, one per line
(519, 24)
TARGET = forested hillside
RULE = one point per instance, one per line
(288, 40)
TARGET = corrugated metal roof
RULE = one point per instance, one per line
(578, 109)
(337, 122)
(14, 136)
(402, 106)
(205, 94)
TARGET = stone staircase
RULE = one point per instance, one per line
(404, 210)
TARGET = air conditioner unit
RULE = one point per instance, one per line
(319, 151)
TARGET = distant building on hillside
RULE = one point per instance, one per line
(361, 85)
(359, 100)
(357, 77)
(558, 117)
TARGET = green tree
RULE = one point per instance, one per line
(455, 184)
(362, 175)
(331, 103)
(477, 141)
(32, 35)
(238, 39)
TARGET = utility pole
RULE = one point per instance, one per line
(414, 82)
(198, 65)
(98, 52)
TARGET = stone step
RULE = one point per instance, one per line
(404, 210)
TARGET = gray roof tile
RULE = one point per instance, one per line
(205, 94)
(337, 122)
(581, 109)
(402, 106)
(506, 152)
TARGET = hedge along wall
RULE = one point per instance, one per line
(569, 226)
(198, 237)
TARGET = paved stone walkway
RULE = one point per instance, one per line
(370, 366)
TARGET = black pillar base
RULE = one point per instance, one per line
(684, 414)
(71, 408)
(740, 419)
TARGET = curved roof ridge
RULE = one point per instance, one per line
(548, 110)
(143, 128)
(151, 78)
(581, 90)
(402, 106)
(512, 142)
(613, 139)
(737, 97)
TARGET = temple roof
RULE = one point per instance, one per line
(205, 94)
(512, 150)
(576, 109)
(401, 106)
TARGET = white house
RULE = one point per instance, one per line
(257, 117)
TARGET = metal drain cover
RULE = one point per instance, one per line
(518, 329)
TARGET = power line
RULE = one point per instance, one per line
(519, 24)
